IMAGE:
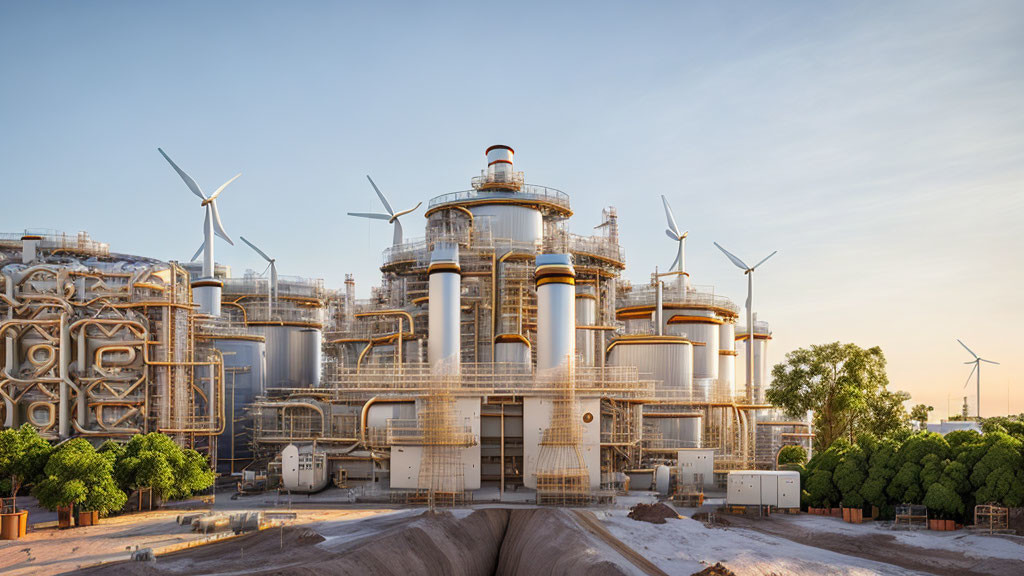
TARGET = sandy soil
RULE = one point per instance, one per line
(945, 553)
(53, 551)
(482, 542)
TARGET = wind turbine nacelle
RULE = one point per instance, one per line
(206, 293)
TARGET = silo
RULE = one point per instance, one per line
(700, 328)
(667, 359)
(244, 373)
(762, 334)
(293, 356)
(727, 359)
(556, 311)
(586, 315)
(444, 332)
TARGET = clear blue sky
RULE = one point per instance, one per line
(878, 146)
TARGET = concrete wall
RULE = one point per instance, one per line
(537, 417)
(405, 460)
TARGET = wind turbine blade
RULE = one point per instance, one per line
(198, 252)
(765, 260)
(971, 374)
(675, 263)
(223, 186)
(966, 348)
(413, 209)
(218, 228)
(672, 235)
(258, 251)
(989, 361)
(380, 194)
(739, 263)
(370, 215)
(668, 216)
(188, 179)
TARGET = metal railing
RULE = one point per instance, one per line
(57, 240)
(527, 192)
(695, 295)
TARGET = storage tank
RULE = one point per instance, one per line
(586, 315)
(667, 359)
(511, 222)
(245, 374)
(445, 290)
(727, 359)
(556, 311)
(700, 328)
(293, 356)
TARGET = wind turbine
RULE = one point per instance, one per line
(749, 271)
(977, 369)
(391, 216)
(212, 224)
(678, 267)
(272, 285)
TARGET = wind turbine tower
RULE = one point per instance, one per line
(391, 216)
(272, 284)
(206, 289)
(749, 271)
(976, 372)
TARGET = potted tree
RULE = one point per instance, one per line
(78, 475)
(156, 462)
(23, 454)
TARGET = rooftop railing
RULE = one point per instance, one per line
(695, 295)
(526, 192)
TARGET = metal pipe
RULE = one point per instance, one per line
(64, 414)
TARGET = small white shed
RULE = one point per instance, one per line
(778, 488)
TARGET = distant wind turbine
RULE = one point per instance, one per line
(749, 271)
(976, 371)
(272, 284)
(679, 265)
(212, 226)
(391, 216)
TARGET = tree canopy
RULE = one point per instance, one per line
(846, 387)
(154, 461)
(23, 455)
(77, 474)
(919, 413)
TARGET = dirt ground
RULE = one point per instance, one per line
(53, 551)
(486, 541)
(885, 548)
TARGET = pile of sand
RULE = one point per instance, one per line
(653, 513)
(486, 542)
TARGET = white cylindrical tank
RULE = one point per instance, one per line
(727, 359)
(586, 315)
(499, 163)
(762, 334)
(662, 474)
(293, 356)
(444, 323)
(512, 349)
(556, 311)
(508, 221)
(700, 328)
(206, 293)
(667, 359)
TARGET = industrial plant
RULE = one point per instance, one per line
(499, 353)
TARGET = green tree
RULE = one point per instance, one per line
(77, 474)
(882, 467)
(155, 461)
(23, 455)
(998, 476)
(792, 455)
(849, 476)
(845, 386)
(919, 414)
